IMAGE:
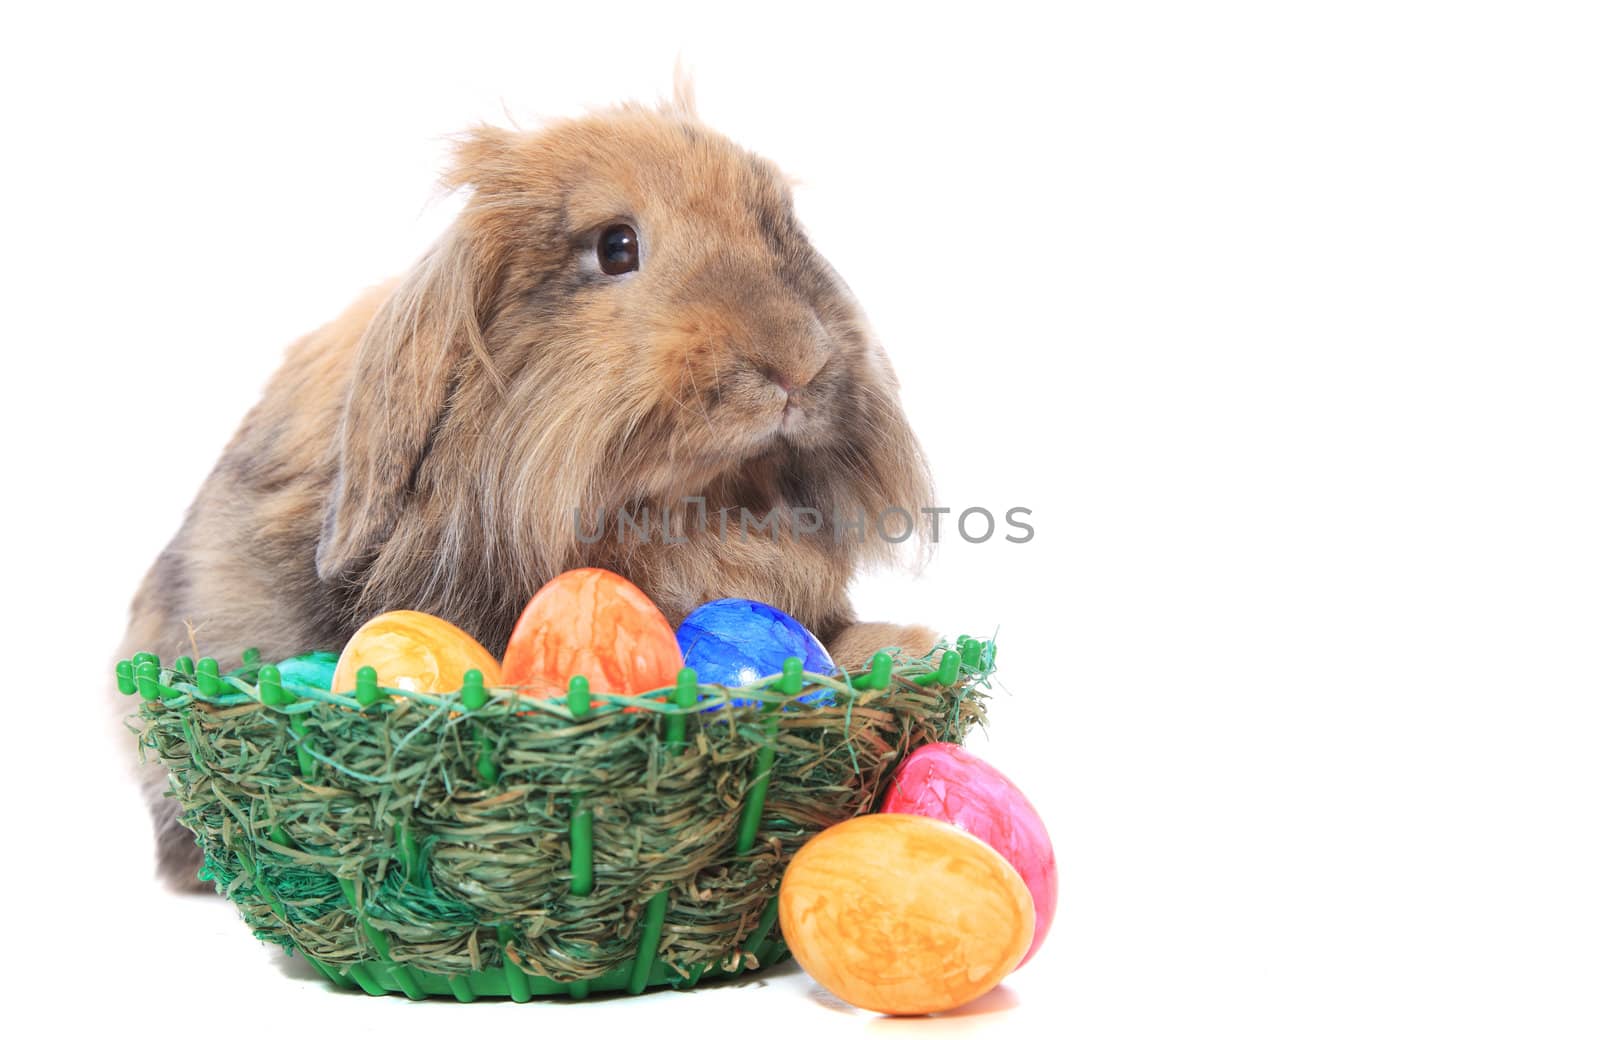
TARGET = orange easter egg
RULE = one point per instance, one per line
(596, 624)
(413, 651)
(903, 914)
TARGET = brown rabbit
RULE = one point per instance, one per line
(625, 315)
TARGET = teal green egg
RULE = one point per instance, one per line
(314, 670)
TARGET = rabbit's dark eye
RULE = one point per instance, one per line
(618, 249)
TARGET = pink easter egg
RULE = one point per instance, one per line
(945, 782)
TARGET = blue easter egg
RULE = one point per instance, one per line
(314, 669)
(734, 642)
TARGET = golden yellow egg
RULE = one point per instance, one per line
(903, 914)
(415, 652)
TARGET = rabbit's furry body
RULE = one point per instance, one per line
(426, 450)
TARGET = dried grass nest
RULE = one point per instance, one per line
(487, 843)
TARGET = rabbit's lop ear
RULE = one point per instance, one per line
(406, 363)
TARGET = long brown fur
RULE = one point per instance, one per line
(427, 448)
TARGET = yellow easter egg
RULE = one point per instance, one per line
(415, 652)
(903, 914)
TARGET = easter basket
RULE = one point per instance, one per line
(489, 843)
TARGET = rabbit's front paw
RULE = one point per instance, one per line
(853, 648)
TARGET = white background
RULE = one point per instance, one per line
(1283, 319)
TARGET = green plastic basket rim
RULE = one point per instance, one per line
(186, 680)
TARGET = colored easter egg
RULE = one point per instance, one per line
(415, 652)
(596, 624)
(904, 914)
(734, 642)
(314, 669)
(948, 783)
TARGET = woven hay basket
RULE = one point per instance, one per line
(485, 843)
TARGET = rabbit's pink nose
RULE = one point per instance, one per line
(786, 381)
